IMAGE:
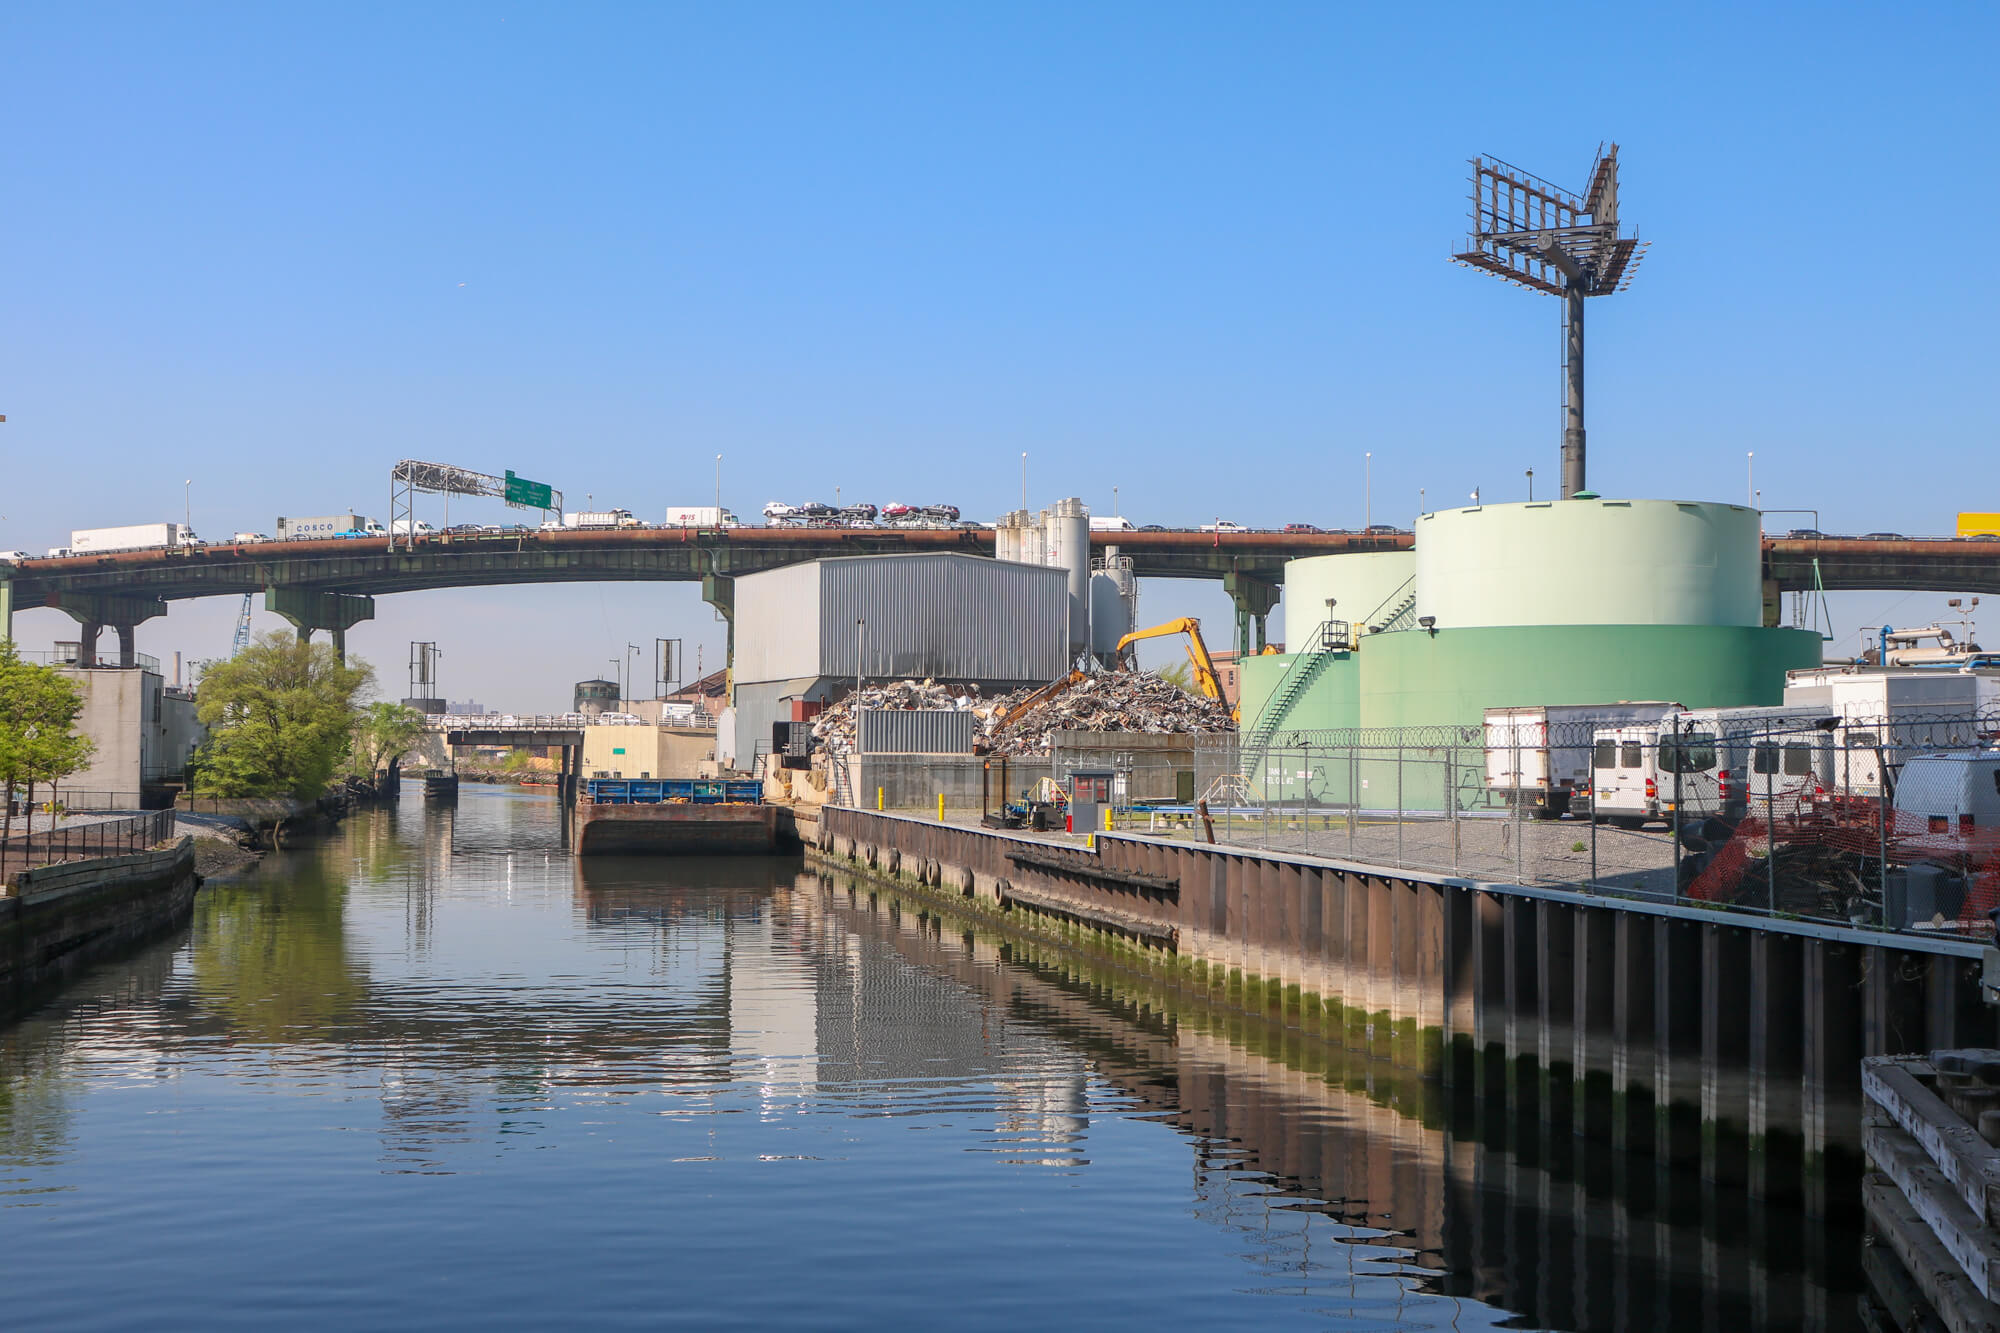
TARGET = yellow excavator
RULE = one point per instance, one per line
(1205, 678)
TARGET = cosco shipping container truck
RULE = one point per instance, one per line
(1538, 757)
(133, 537)
(327, 525)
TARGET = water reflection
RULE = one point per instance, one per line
(589, 1089)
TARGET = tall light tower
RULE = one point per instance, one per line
(1546, 238)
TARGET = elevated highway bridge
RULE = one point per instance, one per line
(331, 584)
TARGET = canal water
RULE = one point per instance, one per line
(436, 1073)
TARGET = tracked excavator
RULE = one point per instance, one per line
(1205, 678)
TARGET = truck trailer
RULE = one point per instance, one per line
(323, 526)
(133, 537)
(1538, 757)
(699, 516)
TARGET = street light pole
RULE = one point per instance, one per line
(1531, 485)
(718, 490)
(1750, 476)
(1024, 481)
(187, 507)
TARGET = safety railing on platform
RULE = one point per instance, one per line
(82, 841)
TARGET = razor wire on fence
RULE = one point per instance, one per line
(1888, 819)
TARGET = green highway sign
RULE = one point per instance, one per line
(532, 494)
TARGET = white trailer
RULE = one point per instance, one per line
(133, 537)
(699, 516)
(321, 526)
(1887, 716)
(1538, 756)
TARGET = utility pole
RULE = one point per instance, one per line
(1368, 491)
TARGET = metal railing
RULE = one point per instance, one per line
(71, 655)
(83, 842)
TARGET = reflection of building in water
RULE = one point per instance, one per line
(1052, 1111)
(773, 1007)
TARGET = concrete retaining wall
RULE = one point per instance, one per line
(60, 919)
(1729, 1044)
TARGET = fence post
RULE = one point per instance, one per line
(1771, 818)
(1399, 796)
(1677, 751)
(1353, 795)
(1451, 800)
(1593, 806)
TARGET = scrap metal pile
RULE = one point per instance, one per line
(1120, 701)
(833, 729)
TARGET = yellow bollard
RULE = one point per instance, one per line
(940, 807)
(1090, 843)
(878, 800)
(1107, 819)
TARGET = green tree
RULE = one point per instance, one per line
(1179, 675)
(281, 718)
(383, 733)
(38, 740)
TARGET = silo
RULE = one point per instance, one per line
(596, 697)
(1069, 530)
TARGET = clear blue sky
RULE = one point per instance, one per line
(1194, 252)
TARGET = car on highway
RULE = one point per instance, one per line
(1303, 527)
(1386, 530)
(1153, 527)
(1806, 534)
(1223, 525)
(1883, 537)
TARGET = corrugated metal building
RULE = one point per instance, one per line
(916, 731)
(948, 617)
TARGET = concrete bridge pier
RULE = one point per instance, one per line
(719, 591)
(1254, 598)
(308, 610)
(94, 612)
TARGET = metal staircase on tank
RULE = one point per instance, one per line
(1329, 641)
(1402, 614)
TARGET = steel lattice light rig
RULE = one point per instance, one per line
(1551, 240)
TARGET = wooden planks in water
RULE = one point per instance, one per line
(1932, 1196)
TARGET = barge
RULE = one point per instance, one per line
(674, 816)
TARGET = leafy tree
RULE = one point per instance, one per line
(281, 718)
(383, 733)
(38, 740)
(1179, 675)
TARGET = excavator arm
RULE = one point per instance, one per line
(1204, 665)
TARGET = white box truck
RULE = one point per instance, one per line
(1538, 756)
(403, 527)
(322, 526)
(699, 516)
(133, 537)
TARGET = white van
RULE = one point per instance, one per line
(1716, 761)
(1948, 806)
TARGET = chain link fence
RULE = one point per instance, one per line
(1879, 820)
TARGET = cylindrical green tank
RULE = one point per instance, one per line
(1331, 701)
(1590, 562)
(1415, 679)
(1360, 584)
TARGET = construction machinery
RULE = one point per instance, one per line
(1204, 665)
